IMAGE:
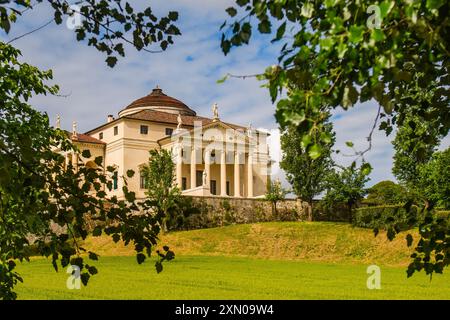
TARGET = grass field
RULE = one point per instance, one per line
(261, 261)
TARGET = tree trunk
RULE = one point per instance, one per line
(350, 213)
(310, 213)
(275, 209)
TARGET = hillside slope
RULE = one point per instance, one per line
(305, 241)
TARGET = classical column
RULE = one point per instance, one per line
(68, 160)
(237, 176)
(193, 168)
(179, 166)
(223, 174)
(250, 175)
(207, 166)
(75, 161)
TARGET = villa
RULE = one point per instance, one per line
(213, 157)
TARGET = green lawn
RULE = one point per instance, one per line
(219, 277)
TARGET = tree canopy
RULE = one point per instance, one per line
(386, 192)
(349, 52)
(434, 179)
(107, 25)
(347, 185)
(38, 191)
(307, 175)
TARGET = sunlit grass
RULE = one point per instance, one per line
(207, 277)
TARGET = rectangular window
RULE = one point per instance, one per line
(116, 130)
(183, 183)
(198, 178)
(213, 188)
(100, 135)
(144, 129)
(115, 180)
(228, 188)
(142, 182)
(169, 131)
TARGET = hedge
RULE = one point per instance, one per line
(382, 216)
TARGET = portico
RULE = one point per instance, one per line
(221, 163)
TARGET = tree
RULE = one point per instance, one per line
(386, 192)
(306, 174)
(347, 185)
(434, 179)
(36, 188)
(275, 193)
(159, 181)
(417, 138)
(349, 52)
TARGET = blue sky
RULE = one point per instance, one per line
(187, 71)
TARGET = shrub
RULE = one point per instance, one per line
(380, 217)
(330, 211)
(386, 192)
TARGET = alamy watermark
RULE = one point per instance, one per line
(74, 280)
(74, 20)
(374, 279)
(374, 20)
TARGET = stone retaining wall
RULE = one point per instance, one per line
(219, 211)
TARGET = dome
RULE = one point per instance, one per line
(157, 100)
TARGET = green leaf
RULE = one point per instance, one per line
(366, 169)
(97, 231)
(140, 257)
(265, 26)
(85, 278)
(385, 8)
(280, 32)
(158, 266)
(98, 160)
(86, 154)
(307, 10)
(349, 144)
(130, 173)
(222, 80)
(231, 11)
(315, 151)
(306, 140)
(226, 46)
(356, 34)
(92, 270)
(116, 237)
(325, 137)
(93, 256)
(409, 240)
(350, 96)
(377, 35)
(173, 15)
(111, 61)
(326, 43)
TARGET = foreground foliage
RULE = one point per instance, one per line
(45, 202)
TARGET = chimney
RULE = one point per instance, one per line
(110, 118)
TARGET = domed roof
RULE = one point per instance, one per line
(158, 100)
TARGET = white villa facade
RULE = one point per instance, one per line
(213, 157)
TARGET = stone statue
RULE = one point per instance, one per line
(249, 129)
(204, 178)
(215, 111)
(58, 122)
(180, 121)
(74, 130)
